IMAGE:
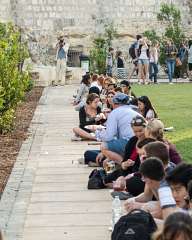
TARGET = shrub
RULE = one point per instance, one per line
(13, 81)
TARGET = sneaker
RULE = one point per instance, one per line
(121, 195)
(76, 138)
(171, 83)
(93, 164)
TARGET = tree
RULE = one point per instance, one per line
(101, 45)
(171, 16)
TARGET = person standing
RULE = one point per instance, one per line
(190, 60)
(170, 52)
(61, 58)
(121, 71)
(153, 62)
(110, 61)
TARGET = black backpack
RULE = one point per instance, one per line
(132, 51)
(96, 179)
(136, 225)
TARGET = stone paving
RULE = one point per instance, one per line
(46, 197)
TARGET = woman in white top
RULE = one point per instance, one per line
(82, 92)
(146, 109)
(97, 82)
(143, 61)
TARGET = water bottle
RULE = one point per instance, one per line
(116, 210)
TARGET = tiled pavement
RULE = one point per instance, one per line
(46, 197)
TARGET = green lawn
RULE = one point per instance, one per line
(174, 107)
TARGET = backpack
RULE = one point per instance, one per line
(132, 51)
(136, 225)
(96, 179)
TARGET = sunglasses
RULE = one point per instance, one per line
(138, 122)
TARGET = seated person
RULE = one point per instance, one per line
(153, 174)
(126, 88)
(88, 115)
(145, 108)
(133, 182)
(178, 181)
(155, 129)
(130, 160)
(82, 92)
(189, 199)
(118, 128)
(177, 226)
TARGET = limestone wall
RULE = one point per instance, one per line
(5, 10)
(81, 20)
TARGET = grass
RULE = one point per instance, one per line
(173, 104)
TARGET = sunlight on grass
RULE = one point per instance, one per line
(173, 104)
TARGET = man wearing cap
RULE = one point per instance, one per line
(118, 128)
(61, 58)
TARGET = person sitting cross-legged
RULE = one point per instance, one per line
(88, 115)
(118, 129)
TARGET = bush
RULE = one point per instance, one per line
(13, 82)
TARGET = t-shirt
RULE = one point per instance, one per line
(143, 54)
(190, 55)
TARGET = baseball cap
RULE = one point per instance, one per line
(121, 98)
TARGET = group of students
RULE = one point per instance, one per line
(147, 170)
(145, 57)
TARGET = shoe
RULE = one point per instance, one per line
(121, 195)
(93, 164)
(76, 138)
(171, 83)
(81, 160)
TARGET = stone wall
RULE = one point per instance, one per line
(81, 20)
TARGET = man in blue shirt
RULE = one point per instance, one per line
(118, 127)
(61, 58)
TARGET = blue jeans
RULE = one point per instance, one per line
(171, 68)
(90, 156)
(153, 70)
(117, 145)
(109, 70)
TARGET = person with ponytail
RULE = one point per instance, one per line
(155, 129)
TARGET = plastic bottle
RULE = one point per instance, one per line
(116, 210)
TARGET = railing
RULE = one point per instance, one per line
(73, 58)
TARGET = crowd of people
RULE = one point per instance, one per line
(134, 158)
(145, 56)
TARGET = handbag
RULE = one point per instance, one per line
(96, 179)
(178, 62)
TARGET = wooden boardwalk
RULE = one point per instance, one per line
(57, 203)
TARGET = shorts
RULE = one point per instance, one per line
(190, 66)
(143, 61)
(117, 145)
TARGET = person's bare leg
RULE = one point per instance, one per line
(141, 75)
(83, 134)
(111, 155)
(146, 72)
(132, 72)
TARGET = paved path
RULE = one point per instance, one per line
(46, 197)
